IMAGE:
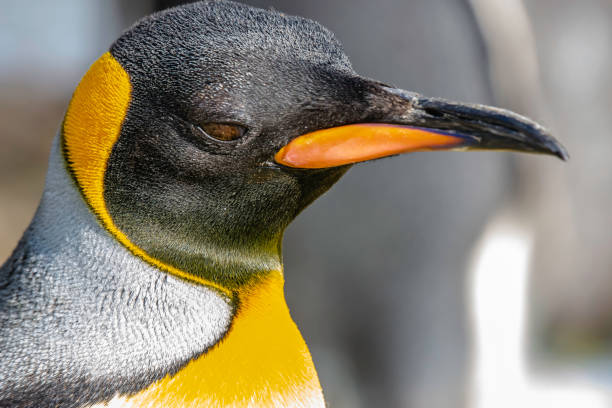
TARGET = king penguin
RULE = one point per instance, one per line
(151, 274)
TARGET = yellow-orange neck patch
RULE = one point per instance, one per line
(91, 128)
(262, 361)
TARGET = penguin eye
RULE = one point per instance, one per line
(223, 131)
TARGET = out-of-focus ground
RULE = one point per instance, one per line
(436, 280)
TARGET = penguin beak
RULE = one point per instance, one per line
(418, 123)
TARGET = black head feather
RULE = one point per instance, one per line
(214, 208)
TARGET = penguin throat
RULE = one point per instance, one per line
(227, 263)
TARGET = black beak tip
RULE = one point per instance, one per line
(562, 153)
(555, 148)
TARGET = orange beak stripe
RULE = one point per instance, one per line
(355, 143)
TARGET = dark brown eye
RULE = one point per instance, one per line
(223, 131)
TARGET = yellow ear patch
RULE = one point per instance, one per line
(91, 128)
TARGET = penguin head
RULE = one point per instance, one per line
(207, 128)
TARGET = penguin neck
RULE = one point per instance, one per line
(262, 361)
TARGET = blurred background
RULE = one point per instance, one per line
(436, 280)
